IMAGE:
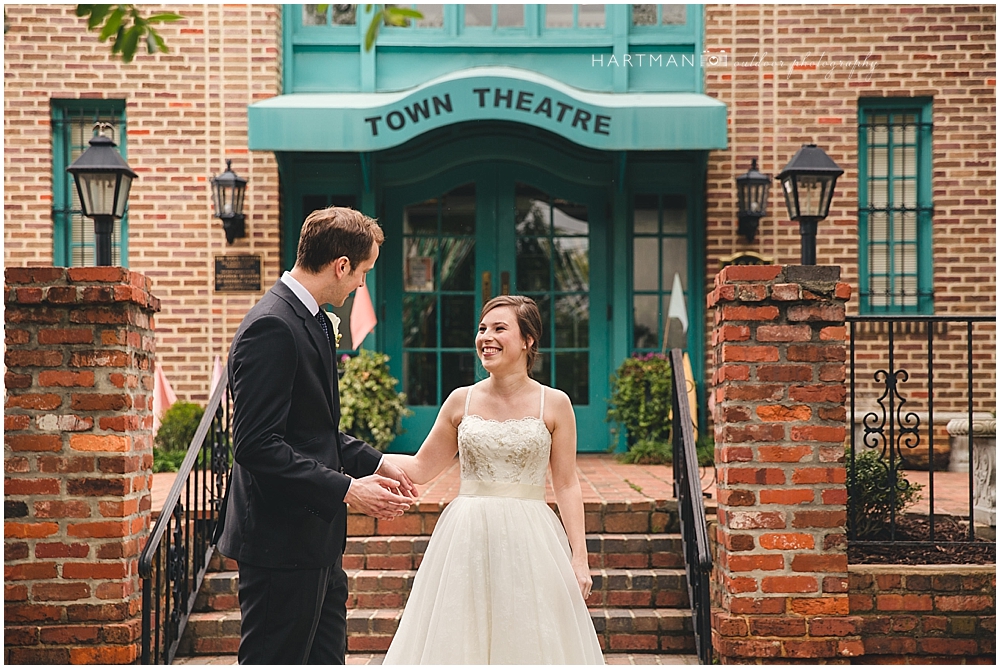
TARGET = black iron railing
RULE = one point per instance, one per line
(903, 369)
(175, 558)
(691, 508)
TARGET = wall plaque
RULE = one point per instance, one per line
(235, 273)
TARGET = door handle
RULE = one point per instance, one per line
(505, 283)
(487, 286)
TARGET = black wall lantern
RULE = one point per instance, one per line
(227, 196)
(103, 180)
(752, 189)
(808, 181)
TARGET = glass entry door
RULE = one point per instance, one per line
(468, 235)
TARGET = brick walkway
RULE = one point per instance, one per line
(604, 479)
(367, 658)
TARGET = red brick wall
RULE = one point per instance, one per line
(77, 461)
(780, 577)
(186, 113)
(939, 614)
(947, 52)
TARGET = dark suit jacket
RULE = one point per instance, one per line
(285, 506)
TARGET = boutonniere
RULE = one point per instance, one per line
(335, 322)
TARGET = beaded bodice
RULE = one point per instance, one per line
(510, 451)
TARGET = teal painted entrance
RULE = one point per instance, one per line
(479, 230)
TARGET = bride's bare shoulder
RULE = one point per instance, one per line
(453, 407)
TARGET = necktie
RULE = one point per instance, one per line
(324, 322)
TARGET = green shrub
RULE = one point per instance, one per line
(178, 426)
(640, 405)
(370, 407)
(871, 496)
(172, 440)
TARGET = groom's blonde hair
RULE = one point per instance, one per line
(529, 320)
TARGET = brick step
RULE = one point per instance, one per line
(644, 588)
(609, 551)
(376, 658)
(371, 630)
(653, 516)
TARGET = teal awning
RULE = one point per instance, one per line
(375, 121)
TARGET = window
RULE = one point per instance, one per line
(657, 15)
(574, 16)
(72, 128)
(659, 254)
(894, 206)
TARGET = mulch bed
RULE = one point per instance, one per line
(917, 528)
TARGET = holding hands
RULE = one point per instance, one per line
(383, 497)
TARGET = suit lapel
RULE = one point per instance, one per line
(317, 336)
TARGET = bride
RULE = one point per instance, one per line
(501, 582)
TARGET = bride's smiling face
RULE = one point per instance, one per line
(499, 342)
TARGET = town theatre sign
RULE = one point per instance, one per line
(375, 121)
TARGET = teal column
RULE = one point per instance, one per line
(621, 303)
(367, 57)
(374, 341)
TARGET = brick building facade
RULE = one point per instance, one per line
(788, 75)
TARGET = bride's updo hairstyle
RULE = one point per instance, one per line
(529, 320)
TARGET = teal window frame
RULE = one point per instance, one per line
(663, 291)
(871, 111)
(63, 114)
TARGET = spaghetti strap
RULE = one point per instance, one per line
(541, 408)
(468, 396)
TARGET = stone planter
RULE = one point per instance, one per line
(984, 446)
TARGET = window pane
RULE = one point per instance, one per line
(673, 15)
(421, 218)
(419, 321)
(645, 318)
(644, 15)
(458, 321)
(572, 264)
(558, 16)
(420, 378)
(572, 321)
(540, 371)
(479, 15)
(420, 264)
(458, 264)
(458, 211)
(457, 370)
(572, 376)
(433, 16)
(510, 16)
(645, 217)
(645, 264)
(675, 215)
(569, 218)
(674, 261)
(533, 260)
(311, 16)
(344, 15)
(904, 161)
(531, 211)
(590, 16)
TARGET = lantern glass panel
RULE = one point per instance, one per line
(124, 186)
(97, 191)
(788, 188)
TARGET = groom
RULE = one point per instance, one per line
(285, 520)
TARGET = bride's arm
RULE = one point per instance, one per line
(440, 446)
(566, 483)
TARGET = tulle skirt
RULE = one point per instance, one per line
(496, 587)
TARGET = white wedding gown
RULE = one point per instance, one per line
(496, 585)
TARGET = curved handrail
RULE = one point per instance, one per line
(174, 496)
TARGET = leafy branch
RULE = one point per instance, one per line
(389, 15)
(127, 25)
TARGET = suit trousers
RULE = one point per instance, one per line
(293, 616)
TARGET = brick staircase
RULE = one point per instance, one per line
(639, 602)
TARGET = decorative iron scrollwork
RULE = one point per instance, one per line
(177, 561)
(894, 429)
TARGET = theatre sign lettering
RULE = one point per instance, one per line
(375, 121)
(519, 102)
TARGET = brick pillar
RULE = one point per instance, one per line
(780, 425)
(77, 461)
